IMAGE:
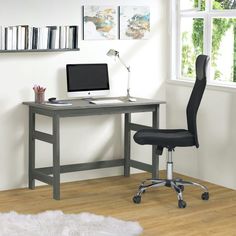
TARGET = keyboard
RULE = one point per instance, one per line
(106, 101)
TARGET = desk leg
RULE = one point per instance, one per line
(155, 157)
(127, 144)
(56, 158)
(31, 148)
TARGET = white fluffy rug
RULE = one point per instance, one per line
(56, 223)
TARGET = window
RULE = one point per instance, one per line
(209, 27)
(191, 31)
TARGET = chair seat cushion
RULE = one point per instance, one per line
(169, 138)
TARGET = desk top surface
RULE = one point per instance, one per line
(85, 104)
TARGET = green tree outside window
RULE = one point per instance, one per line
(220, 27)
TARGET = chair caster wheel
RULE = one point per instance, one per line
(181, 187)
(205, 196)
(182, 204)
(137, 199)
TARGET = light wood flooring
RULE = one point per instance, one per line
(158, 213)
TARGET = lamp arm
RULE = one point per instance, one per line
(128, 83)
(128, 69)
(122, 62)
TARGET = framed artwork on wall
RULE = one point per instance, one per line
(100, 22)
(134, 22)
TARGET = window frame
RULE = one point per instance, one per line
(208, 15)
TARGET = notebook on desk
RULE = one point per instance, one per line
(58, 103)
(105, 101)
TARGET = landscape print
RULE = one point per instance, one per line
(100, 22)
(134, 22)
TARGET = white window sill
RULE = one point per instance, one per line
(210, 85)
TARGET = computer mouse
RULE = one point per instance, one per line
(52, 99)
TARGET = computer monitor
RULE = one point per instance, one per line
(87, 80)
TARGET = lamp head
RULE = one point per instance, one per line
(113, 53)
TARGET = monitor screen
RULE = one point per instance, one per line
(87, 80)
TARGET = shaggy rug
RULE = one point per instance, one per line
(56, 223)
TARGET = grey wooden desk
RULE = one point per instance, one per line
(51, 175)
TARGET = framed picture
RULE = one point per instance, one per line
(100, 22)
(134, 22)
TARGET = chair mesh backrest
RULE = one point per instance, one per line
(196, 95)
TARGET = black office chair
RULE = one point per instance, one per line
(171, 138)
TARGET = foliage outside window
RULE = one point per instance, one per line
(224, 4)
(192, 44)
(220, 43)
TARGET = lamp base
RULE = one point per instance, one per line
(130, 99)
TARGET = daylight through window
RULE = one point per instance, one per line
(209, 27)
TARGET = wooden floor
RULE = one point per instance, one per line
(158, 213)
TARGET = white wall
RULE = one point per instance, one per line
(215, 160)
(82, 139)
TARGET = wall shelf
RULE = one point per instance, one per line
(41, 50)
(27, 38)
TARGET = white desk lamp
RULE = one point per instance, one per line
(114, 53)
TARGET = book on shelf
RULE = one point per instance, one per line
(2, 38)
(8, 37)
(14, 37)
(20, 41)
(43, 37)
(62, 37)
(72, 37)
(30, 38)
(39, 38)
(23, 37)
(35, 38)
(75, 38)
(67, 30)
(53, 37)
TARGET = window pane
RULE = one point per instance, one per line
(191, 44)
(192, 5)
(224, 4)
(223, 55)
